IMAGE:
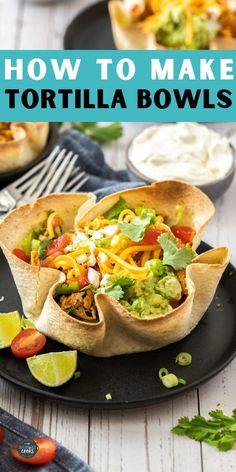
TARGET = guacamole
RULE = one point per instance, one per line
(173, 30)
(153, 296)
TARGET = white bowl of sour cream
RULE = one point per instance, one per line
(185, 151)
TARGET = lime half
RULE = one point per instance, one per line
(53, 369)
(10, 326)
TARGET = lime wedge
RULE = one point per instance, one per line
(10, 326)
(53, 369)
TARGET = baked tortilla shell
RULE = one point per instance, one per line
(33, 283)
(117, 331)
(29, 140)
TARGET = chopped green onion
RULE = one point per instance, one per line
(182, 381)
(108, 396)
(162, 372)
(35, 244)
(170, 380)
(77, 374)
(183, 358)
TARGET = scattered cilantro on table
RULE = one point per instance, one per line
(219, 431)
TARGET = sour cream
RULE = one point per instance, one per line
(184, 151)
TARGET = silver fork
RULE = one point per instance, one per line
(49, 176)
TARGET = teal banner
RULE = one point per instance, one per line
(118, 86)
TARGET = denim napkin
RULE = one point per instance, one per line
(16, 430)
(103, 180)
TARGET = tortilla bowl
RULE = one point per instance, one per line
(28, 141)
(128, 35)
(117, 331)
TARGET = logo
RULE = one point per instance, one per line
(27, 448)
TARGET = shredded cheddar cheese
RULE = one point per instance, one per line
(67, 262)
(50, 229)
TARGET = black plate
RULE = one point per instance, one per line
(132, 379)
(91, 29)
(8, 177)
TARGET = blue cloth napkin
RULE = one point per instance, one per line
(16, 430)
(103, 180)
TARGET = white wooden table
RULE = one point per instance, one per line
(135, 440)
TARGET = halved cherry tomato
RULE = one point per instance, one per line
(28, 343)
(1, 434)
(21, 254)
(58, 244)
(185, 233)
(151, 235)
(45, 451)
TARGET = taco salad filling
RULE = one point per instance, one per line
(131, 254)
(181, 24)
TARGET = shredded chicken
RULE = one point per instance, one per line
(82, 303)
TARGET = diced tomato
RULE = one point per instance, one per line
(185, 233)
(28, 343)
(56, 221)
(1, 434)
(58, 244)
(21, 254)
(45, 451)
(48, 262)
(83, 281)
(151, 235)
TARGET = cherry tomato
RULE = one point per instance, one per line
(28, 343)
(1, 434)
(151, 235)
(45, 451)
(185, 233)
(58, 244)
(21, 254)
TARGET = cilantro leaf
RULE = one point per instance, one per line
(178, 258)
(219, 431)
(100, 134)
(136, 229)
(114, 290)
(114, 211)
(123, 281)
(77, 375)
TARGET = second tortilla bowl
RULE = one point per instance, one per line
(116, 277)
